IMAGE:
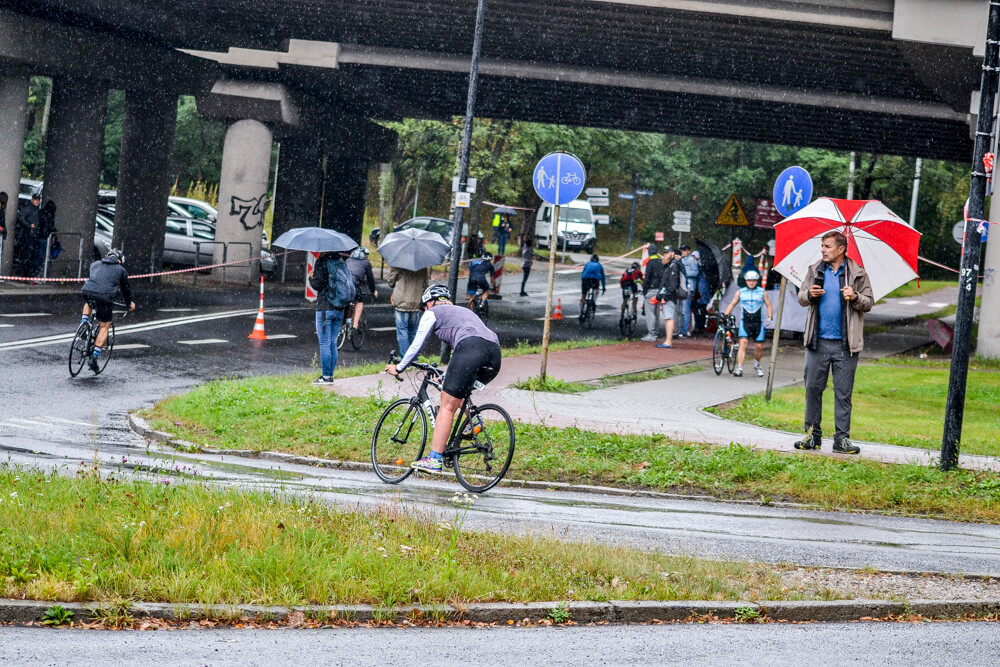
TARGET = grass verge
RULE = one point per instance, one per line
(286, 414)
(87, 538)
(918, 288)
(899, 404)
(552, 384)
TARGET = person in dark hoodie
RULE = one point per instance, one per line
(46, 226)
(107, 276)
(27, 233)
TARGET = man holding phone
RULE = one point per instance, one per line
(837, 293)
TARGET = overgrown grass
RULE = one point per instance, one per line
(84, 538)
(897, 404)
(551, 384)
(286, 414)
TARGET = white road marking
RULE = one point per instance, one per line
(27, 428)
(382, 329)
(62, 421)
(203, 341)
(145, 326)
(280, 336)
(909, 302)
(27, 421)
(938, 305)
(6, 325)
(130, 346)
(175, 310)
(25, 315)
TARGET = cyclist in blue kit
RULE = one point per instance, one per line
(752, 298)
(475, 357)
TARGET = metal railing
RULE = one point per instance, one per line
(249, 260)
(48, 253)
(197, 258)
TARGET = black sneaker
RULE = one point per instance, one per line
(845, 446)
(93, 365)
(809, 442)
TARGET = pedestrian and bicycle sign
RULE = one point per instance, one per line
(792, 190)
(559, 178)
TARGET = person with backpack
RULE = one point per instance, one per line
(335, 291)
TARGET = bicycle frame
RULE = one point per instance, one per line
(421, 401)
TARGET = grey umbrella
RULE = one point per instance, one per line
(504, 210)
(315, 239)
(413, 249)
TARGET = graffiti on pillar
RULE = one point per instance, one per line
(251, 211)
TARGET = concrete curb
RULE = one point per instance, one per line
(615, 611)
(142, 427)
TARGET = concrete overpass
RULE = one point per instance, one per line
(886, 76)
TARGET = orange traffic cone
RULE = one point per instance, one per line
(558, 314)
(258, 326)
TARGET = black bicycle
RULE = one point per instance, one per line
(82, 347)
(725, 344)
(629, 316)
(589, 310)
(347, 329)
(480, 446)
(481, 305)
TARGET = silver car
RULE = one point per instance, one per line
(178, 242)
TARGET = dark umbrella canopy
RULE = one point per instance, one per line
(413, 249)
(504, 210)
(315, 239)
(713, 264)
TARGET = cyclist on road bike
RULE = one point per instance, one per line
(475, 356)
(751, 298)
(361, 268)
(480, 277)
(592, 276)
(107, 276)
(631, 282)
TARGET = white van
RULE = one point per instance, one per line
(577, 229)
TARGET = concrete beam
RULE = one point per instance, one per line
(302, 52)
(239, 100)
(959, 23)
(51, 48)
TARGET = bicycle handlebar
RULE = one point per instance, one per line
(430, 368)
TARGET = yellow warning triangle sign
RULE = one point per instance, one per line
(733, 214)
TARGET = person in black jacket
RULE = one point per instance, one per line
(667, 296)
(46, 226)
(107, 276)
(27, 234)
(650, 286)
(361, 268)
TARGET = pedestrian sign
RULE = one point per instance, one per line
(792, 190)
(559, 178)
(733, 214)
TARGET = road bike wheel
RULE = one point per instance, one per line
(358, 335)
(719, 354)
(730, 353)
(109, 345)
(345, 328)
(628, 324)
(78, 349)
(399, 439)
(486, 448)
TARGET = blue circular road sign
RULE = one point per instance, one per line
(559, 178)
(792, 190)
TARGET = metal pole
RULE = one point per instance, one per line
(971, 249)
(631, 220)
(48, 247)
(916, 190)
(284, 265)
(463, 162)
(225, 258)
(850, 178)
(197, 256)
(416, 196)
(79, 263)
(552, 281)
(777, 334)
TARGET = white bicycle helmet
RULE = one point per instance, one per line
(751, 275)
(435, 292)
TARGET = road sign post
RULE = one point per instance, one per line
(682, 223)
(969, 268)
(558, 179)
(774, 341)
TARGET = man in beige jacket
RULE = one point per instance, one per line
(837, 293)
(407, 286)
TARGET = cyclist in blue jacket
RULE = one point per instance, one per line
(592, 276)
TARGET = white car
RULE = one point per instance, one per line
(196, 208)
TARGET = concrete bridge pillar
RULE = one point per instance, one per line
(298, 194)
(243, 193)
(344, 195)
(13, 116)
(988, 343)
(150, 118)
(73, 166)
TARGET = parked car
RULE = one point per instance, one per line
(108, 200)
(196, 208)
(28, 187)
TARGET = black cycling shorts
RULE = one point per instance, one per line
(477, 284)
(587, 283)
(102, 307)
(472, 359)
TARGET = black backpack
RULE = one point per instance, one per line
(340, 289)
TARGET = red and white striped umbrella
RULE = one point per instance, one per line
(877, 239)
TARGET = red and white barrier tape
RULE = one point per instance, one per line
(145, 275)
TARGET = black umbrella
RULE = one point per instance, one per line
(713, 264)
(504, 210)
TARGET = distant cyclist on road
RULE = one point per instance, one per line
(107, 276)
(751, 298)
(480, 277)
(592, 276)
(361, 268)
(475, 356)
(631, 282)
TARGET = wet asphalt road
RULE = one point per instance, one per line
(52, 421)
(968, 644)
